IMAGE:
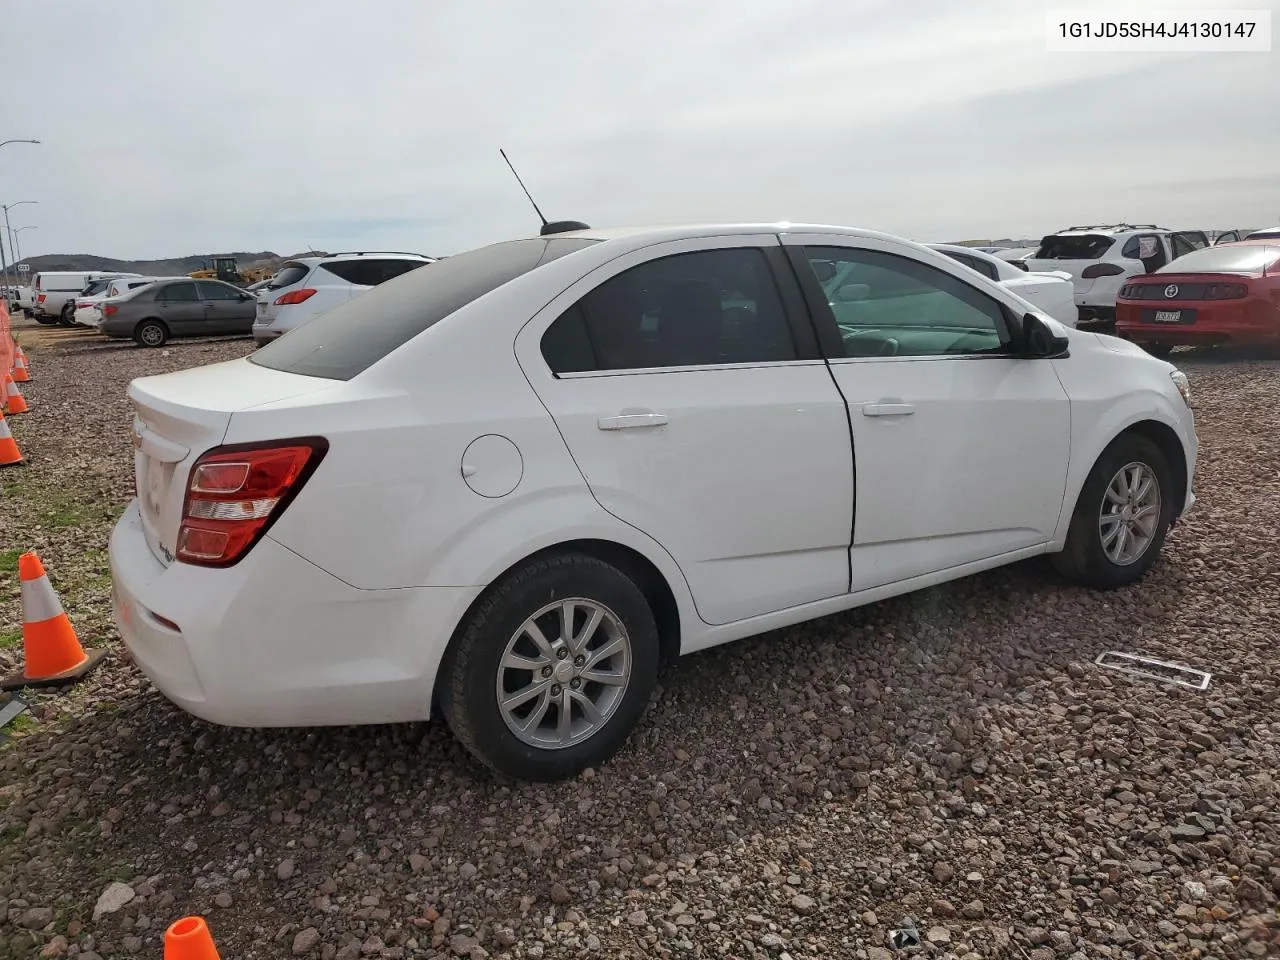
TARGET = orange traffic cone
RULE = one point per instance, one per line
(189, 939)
(52, 652)
(14, 401)
(20, 372)
(10, 455)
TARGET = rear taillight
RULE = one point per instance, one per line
(1226, 291)
(40, 299)
(1101, 270)
(110, 310)
(294, 296)
(235, 493)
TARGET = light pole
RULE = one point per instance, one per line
(4, 264)
(5, 207)
(17, 247)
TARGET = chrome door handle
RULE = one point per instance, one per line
(888, 410)
(630, 421)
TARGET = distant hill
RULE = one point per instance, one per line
(172, 267)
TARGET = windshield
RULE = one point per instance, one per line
(359, 332)
(1246, 258)
(1088, 246)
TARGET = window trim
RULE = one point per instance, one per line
(829, 330)
(794, 310)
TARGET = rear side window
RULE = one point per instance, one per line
(289, 274)
(1088, 246)
(344, 341)
(690, 309)
(177, 291)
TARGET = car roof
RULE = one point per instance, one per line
(692, 231)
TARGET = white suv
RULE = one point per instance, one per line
(1101, 258)
(309, 286)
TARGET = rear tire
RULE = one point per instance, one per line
(67, 317)
(150, 333)
(1097, 553)
(526, 740)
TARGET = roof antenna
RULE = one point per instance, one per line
(558, 226)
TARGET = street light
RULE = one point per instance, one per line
(4, 264)
(17, 247)
(5, 207)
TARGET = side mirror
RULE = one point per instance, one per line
(1039, 342)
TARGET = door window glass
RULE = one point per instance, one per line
(689, 309)
(890, 305)
(217, 291)
(177, 292)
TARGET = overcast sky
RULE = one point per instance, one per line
(171, 128)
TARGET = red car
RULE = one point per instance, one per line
(1224, 294)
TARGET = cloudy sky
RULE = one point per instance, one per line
(171, 128)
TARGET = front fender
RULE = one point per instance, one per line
(1097, 421)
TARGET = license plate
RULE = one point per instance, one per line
(1168, 316)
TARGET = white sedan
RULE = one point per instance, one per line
(510, 481)
(1051, 291)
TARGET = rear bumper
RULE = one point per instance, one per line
(275, 641)
(1250, 324)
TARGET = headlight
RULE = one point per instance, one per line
(1184, 386)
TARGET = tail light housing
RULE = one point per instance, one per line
(41, 298)
(1101, 270)
(1226, 291)
(110, 309)
(294, 296)
(234, 494)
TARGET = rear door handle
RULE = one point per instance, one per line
(888, 410)
(631, 421)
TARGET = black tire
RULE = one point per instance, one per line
(1083, 559)
(45, 320)
(151, 333)
(466, 685)
(67, 317)
(1158, 349)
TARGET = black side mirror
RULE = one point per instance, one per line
(1038, 341)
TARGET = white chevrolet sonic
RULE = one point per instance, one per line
(507, 483)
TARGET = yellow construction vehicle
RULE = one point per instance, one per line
(226, 269)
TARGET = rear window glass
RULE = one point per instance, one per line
(1251, 258)
(341, 342)
(94, 287)
(1089, 246)
(289, 274)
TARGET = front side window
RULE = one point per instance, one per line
(889, 305)
(177, 292)
(689, 309)
(217, 291)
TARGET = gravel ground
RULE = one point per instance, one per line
(953, 757)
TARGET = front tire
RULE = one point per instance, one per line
(552, 669)
(150, 333)
(1122, 516)
(68, 316)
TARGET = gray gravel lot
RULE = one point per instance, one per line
(953, 757)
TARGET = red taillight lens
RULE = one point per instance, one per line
(110, 309)
(1101, 270)
(40, 299)
(235, 493)
(1226, 291)
(294, 296)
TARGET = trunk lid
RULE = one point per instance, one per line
(178, 417)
